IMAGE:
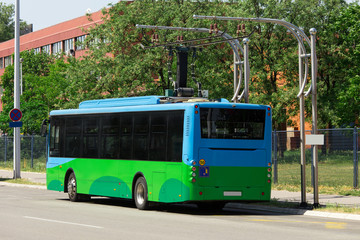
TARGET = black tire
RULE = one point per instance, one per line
(74, 196)
(72, 188)
(141, 194)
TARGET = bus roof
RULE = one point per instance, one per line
(146, 103)
(138, 101)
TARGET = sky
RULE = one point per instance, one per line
(46, 13)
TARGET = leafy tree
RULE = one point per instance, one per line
(347, 29)
(43, 81)
(7, 22)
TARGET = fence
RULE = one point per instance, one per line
(337, 160)
(338, 157)
(33, 153)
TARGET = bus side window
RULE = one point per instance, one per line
(141, 134)
(110, 141)
(91, 137)
(175, 136)
(158, 141)
(72, 137)
(126, 129)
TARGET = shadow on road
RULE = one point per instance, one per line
(185, 208)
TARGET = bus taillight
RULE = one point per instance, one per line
(269, 169)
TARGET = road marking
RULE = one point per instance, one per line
(329, 225)
(56, 221)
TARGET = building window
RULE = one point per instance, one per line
(1, 63)
(80, 41)
(68, 44)
(37, 50)
(45, 49)
(7, 61)
(56, 48)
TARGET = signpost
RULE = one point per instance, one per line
(16, 113)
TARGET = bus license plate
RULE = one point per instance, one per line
(232, 194)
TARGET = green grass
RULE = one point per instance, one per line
(39, 165)
(335, 173)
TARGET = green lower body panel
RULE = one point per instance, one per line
(166, 181)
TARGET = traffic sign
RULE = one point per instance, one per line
(15, 115)
(15, 124)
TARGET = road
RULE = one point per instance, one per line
(40, 214)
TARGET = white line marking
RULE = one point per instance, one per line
(56, 221)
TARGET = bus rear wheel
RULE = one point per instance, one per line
(141, 194)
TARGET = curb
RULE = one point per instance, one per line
(293, 211)
(22, 185)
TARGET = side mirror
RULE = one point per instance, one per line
(44, 127)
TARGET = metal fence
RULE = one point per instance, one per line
(33, 152)
(338, 157)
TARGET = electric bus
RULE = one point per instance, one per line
(161, 149)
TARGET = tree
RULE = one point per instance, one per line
(6, 21)
(347, 29)
(43, 82)
(116, 66)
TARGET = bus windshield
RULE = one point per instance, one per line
(222, 123)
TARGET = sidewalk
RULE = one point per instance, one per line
(282, 196)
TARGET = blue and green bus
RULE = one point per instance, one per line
(161, 149)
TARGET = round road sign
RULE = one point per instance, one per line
(15, 115)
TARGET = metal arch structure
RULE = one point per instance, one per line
(303, 75)
(238, 64)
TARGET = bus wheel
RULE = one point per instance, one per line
(141, 194)
(72, 192)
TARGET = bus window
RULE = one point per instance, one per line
(175, 136)
(141, 133)
(110, 142)
(158, 130)
(72, 137)
(126, 136)
(224, 123)
(91, 136)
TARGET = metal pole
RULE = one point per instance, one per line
(275, 158)
(5, 148)
(356, 159)
(236, 76)
(314, 112)
(302, 132)
(32, 150)
(246, 69)
(17, 89)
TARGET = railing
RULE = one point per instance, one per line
(33, 152)
(338, 157)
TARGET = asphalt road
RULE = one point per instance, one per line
(27, 213)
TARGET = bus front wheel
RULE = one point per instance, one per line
(141, 194)
(71, 187)
(74, 196)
